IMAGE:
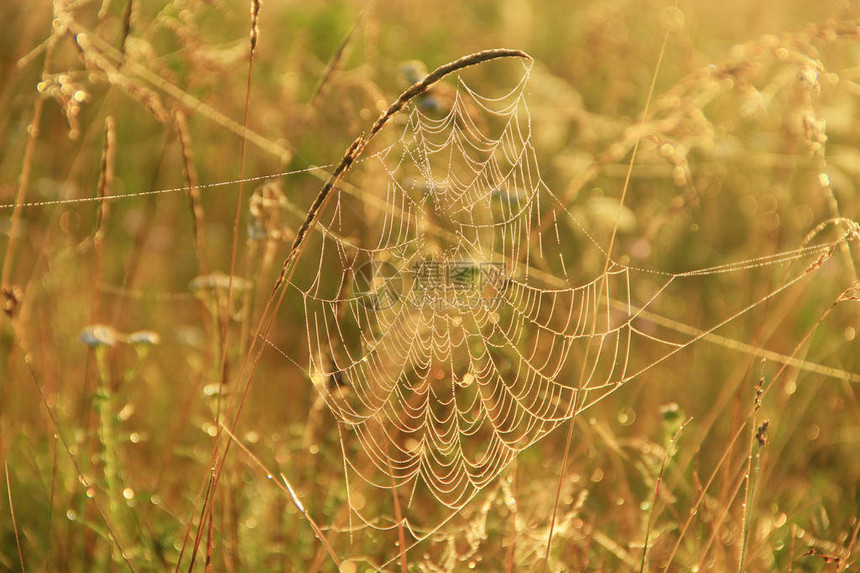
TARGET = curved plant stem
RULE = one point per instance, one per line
(352, 153)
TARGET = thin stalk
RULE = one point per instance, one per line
(398, 515)
(24, 178)
(607, 262)
(512, 534)
(756, 435)
(287, 488)
(842, 297)
(105, 188)
(104, 405)
(253, 38)
(192, 181)
(12, 514)
(670, 452)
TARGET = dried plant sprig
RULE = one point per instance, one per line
(192, 182)
(104, 189)
(93, 55)
(255, 24)
(335, 62)
(254, 36)
(106, 177)
(24, 184)
(109, 53)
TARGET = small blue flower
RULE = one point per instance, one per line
(99, 335)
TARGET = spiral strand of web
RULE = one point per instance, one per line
(444, 328)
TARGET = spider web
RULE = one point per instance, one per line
(458, 312)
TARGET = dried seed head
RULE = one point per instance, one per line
(267, 208)
(212, 290)
(255, 28)
(216, 282)
(12, 296)
(761, 433)
(69, 95)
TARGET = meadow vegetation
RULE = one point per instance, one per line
(145, 426)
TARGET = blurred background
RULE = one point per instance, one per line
(111, 342)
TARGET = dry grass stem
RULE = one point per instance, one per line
(192, 182)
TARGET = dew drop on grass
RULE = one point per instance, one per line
(358, 501)
(466, 380)
(128, 493)
(626, 416)
(71, 515)
(126, 412)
